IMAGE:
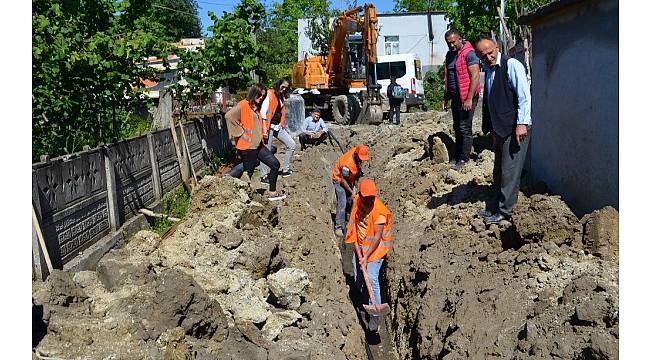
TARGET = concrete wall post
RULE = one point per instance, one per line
(111, 190)
(157, 184)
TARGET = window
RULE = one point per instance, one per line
(386, 69)
(391, 45)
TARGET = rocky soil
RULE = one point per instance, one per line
(241, 278)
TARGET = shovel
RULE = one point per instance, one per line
(374, 309)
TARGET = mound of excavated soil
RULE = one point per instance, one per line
(459, 289)
(239, 279)
(245, 279)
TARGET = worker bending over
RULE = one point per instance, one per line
(369, 228)
(345, 174)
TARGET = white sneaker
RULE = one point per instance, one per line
(338, 233)
(277, 197)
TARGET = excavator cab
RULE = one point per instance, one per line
(345, 78)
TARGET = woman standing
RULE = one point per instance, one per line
(273, 112)
(246, 130)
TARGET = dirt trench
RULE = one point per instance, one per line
(244, 279)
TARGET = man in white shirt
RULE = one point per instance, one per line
(314, 130)
(506, 115)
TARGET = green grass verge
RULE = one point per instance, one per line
(175, 204)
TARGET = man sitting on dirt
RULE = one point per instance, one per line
(345, 174)
(314, 130)
(369, 230)
(506, 115)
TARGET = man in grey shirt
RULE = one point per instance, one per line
(314, 130)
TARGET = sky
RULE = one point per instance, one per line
(219, 6)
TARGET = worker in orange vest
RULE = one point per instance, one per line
(345, 174)
(370, 229)
(273, 112)
(246, 131)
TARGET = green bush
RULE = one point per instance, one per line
(175, 204)
(434, 89)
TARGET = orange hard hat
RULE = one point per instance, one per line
(367, 188)
(362, 152)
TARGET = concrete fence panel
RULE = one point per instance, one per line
(70, 198)
(88, 202)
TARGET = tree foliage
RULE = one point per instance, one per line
(279, 35)
(87, 65)
(473, 17)
(179, 18)
(318, 29)
(402, 6)
(227, 58)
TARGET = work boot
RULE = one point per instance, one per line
(459, 164)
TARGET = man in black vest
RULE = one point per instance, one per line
(506, 114)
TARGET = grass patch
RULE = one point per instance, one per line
(175, 204)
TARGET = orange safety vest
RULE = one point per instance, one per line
(346, 159)
(273, 104)
(246, 118)
(378, 208)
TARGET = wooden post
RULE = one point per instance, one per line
(179, 156)
(189, 156)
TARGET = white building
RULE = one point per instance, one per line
(398, 34)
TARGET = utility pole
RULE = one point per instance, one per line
(502, 32)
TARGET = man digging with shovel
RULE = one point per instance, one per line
(369, 230)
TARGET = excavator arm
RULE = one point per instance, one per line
(330, 73)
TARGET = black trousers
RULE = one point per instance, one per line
(463, 127)
(394, 112)
(265, 156)
(509, 161)
(304, 139)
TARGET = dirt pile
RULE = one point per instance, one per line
(238, 279)
(459, 289)
(244, 279)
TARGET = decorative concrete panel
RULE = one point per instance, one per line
(193, 135)
(70, 199)
(211, 127)
(170, 172)
(217, 135)
(133, 176)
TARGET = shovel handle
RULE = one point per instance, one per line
(371, 291)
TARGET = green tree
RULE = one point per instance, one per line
(179, 18)
(279, 35)
(402, 6)
(87, 65)
(319, 27)
(228, 57)
(473, 17)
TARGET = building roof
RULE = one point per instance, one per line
(412, 13)
(548, 9)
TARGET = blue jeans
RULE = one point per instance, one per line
(342, 202)
(373, 274)
(286, 139)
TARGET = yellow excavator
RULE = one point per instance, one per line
(345, 81)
